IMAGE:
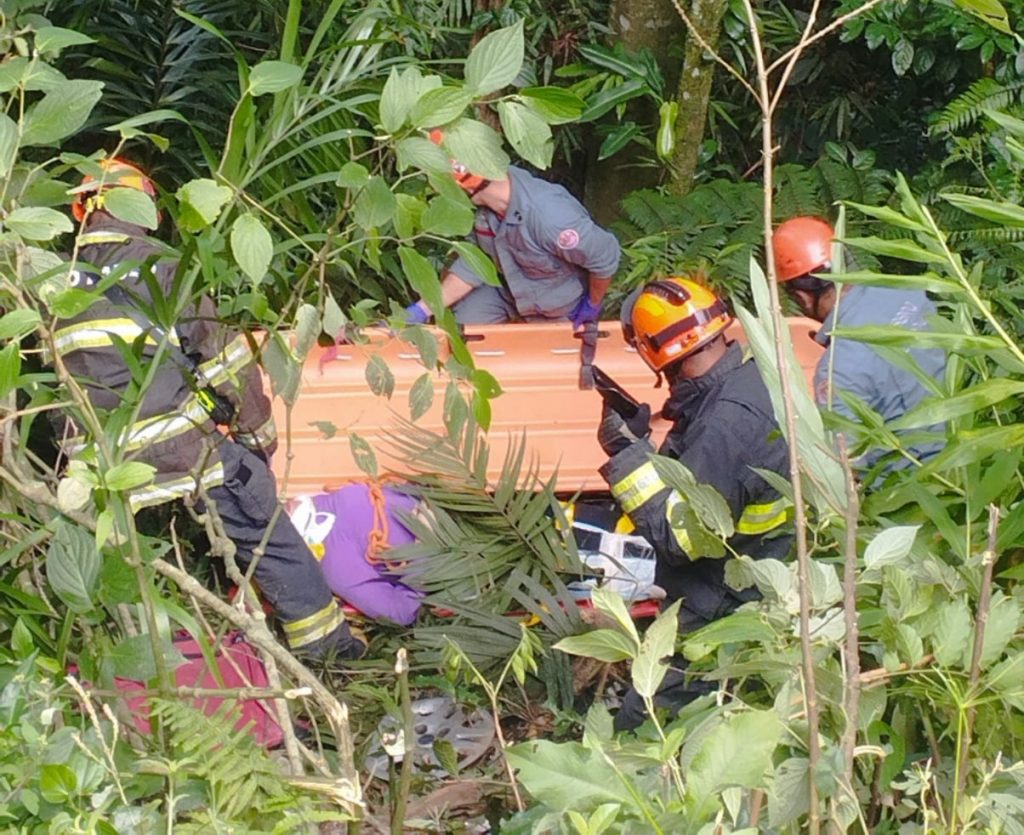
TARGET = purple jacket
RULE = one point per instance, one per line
(342, 523)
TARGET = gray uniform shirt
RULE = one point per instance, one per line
(860, 370)
(544, 247)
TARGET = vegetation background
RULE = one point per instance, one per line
(878, 685)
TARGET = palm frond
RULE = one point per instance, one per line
(984, 94)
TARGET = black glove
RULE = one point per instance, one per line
(616, 432)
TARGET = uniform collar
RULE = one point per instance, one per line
(687, 392)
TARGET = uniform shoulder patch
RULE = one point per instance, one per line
(568, 239)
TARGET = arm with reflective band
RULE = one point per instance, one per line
(320, 624)
(168, 490)
(758, 519)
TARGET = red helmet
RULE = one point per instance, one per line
(674, 317)
(116, 174)
(471, 183)
(802, 245)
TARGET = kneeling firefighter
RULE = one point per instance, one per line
(201, 375)
(723, 431)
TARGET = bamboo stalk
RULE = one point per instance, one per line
(851, 647)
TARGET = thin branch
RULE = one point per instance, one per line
(851, 648)
(988, 562)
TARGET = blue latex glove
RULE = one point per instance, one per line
(415, 314)
(585, 311)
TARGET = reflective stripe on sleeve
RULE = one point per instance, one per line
(155, 429)
(637, 487)
(97, 334)
(320, 624)
(166, 491)
(761, 518)
(235, 356)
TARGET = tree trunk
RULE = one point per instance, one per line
(653, 24)
(694, 93)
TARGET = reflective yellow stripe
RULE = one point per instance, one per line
(90, 238)
(318, 625)
(761, 518)
(637, 487)
(166, 491)
(228, 362)
(155, 429)
(679, 533)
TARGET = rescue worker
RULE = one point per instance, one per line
(802, 249)
(554, 261)
(723, 430)
(172, 430)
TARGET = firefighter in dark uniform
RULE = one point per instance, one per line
(554, 261)
(723, 430)
(172, 430)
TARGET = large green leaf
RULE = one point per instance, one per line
(447, 218)
(612, 97)
(38, 223)
(201, 202)
(273, 77)
(478, 147)
(902, 338)
(61, 112)
(252, 246)
(890, 546)
(528, 133)
(128, 475)
(8, 143)
(952, 634)
(439, 106)
(53, 39)
(495, 61)
(18, 323)
(902, 248)
(73, 566)
(421, 153)
(375, 204)
(737, 752)
(607, 645)
(934, 410)
(1001, 212)
(401, 91)
(555, 105)
(657, 647)
(972, 445)
(991, 11)
(479, 261)
(131, 206)
(929, 282)
(566, 776)
(734, 628)
(422, 276)
(10, 367)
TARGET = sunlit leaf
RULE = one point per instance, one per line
(496, 60)
(73, 566)
(273, 77)
(252, 246)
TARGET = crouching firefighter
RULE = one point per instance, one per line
(200, 375)
(723, 430)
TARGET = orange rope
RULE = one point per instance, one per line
(377, 540)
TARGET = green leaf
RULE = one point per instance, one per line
(273, 77)
(363, 454)
(890, 546)
(379, 377)
(929, 282)
(417, 152)
(952, 634)
(353, 175)
(439, 106)
(790, 794)
(611, 604)
(252, 246)
(990, 11)
(479, 261)
(972, 445)
(553, 104)
(902, 56)
(10, 367)
(201, 202)
(528, 133)
(666, 139)
(132, 658)
(495, 61)
(446, 756)
(477, 147)
(131, 206)
(934, 410)
(735, 628)
(61, 112)
(38, 223)
(57, 783)
(73, 566)
(282, 368)
(375, 204)
(53, 39)
(607, 645)
(903, 248)
(8, 144)
(421, 396)
(890, 216)
(611, 98)
(127, 126)
(447, 218)
(129, 474)
(620, 136)
(566, 776)
(737, 752)
(1003, 619)
(1001, 212)
(902, 338)
(401, 91)
(422, 276)
(307, 329)
(658, 645)
(18, 323)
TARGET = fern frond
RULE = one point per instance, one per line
(238, 772)
(984, 94)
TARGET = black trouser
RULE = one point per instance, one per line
(677, 688)
(288, 575)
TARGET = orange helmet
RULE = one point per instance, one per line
(673, 318)
(470, 183)
(802, 245)
(116, 174)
